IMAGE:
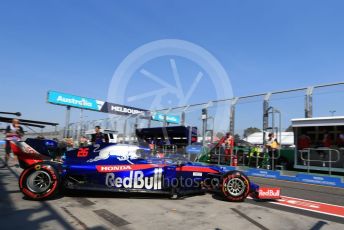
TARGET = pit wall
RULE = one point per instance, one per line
(333, 181)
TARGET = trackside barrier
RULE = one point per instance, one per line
(221, 156)
(263, 173)
(228, 168)
(242, 154)
(300, 177)
(329, 162)
(225, 157)
(263, 158)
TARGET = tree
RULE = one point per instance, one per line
(237, 138)
(250, 131)
(220, 135)
(289, 129)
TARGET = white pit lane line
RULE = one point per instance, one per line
(308, 205)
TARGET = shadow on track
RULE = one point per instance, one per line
(17, 213)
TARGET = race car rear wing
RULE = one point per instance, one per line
(26, 153)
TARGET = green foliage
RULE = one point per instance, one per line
(250, 130)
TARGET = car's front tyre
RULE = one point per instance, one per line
(39, 182)
(235, 186)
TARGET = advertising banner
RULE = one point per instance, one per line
(64, 99)
(173, 119)
(120, 109)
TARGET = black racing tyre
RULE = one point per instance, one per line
(235, 186)
(39, 182)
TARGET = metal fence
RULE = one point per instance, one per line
(214, 118)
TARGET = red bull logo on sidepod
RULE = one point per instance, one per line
(135, 180)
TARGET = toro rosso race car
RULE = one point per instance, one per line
(124, 168)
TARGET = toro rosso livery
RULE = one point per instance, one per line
(124, 168)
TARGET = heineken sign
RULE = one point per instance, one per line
(64, 99)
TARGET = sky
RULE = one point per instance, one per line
(76, 46)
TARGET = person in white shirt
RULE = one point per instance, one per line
(14, 132)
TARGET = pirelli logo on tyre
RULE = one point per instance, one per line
(235, 186)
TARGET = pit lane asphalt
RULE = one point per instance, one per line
(324, 194)
(85, 210)
(318, 193)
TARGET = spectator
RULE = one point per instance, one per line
(98, 137)
(69, 144)
(304, 142)
(272, 145)
(272, 142)
(83, 142)
(340, 141)
(327, 143)
(14, 132)
(229, 146)
(151, 145)
(327, 140)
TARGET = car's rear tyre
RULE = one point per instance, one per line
(235, 186)
(39, 182)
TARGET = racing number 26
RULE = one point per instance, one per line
(83, 152)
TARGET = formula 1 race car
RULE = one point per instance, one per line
(124, 168)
